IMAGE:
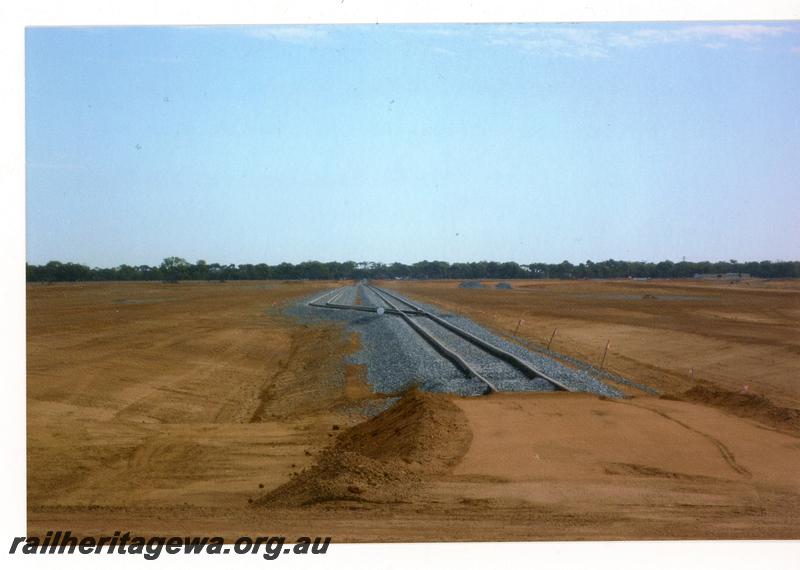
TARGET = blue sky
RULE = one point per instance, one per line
(401, 143)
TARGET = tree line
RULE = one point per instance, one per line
(174, 269)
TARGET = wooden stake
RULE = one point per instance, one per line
(549, 342)
(519, 322)
(604, 354)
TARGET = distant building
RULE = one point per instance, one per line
(722, 276)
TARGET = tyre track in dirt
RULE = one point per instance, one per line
(727, 454)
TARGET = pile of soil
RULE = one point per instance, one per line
(742, 404)
(470, 285)
(503, 286)
(384, 459)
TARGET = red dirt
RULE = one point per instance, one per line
(165, 409)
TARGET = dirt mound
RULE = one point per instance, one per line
(742, 404)
(503, 286)
(345, 476)
(426, 431)
(383, 459)
(471, 285)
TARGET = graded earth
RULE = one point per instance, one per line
(204, 408)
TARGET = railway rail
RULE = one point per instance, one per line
(433, 330)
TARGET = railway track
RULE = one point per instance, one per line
(513, 361)
(334, 296)
(467, 352)
(451, 355)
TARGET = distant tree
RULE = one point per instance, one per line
(313, 270)
(510, 270)
(174, 269)
(562, 271)
(125, 273)
(261, 271)
(199, 270)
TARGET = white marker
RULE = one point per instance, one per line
(380, 310)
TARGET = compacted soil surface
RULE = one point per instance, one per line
(667, 334)
(200, 408)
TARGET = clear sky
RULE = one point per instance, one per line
(402, 143)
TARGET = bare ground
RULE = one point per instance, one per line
(197, 408)
(733, 335)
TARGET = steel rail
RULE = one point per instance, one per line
(336, 293)
(336, 296)
(515, 361)
(364, 308)
(459, 362)
(316, 299)
(396, 298)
